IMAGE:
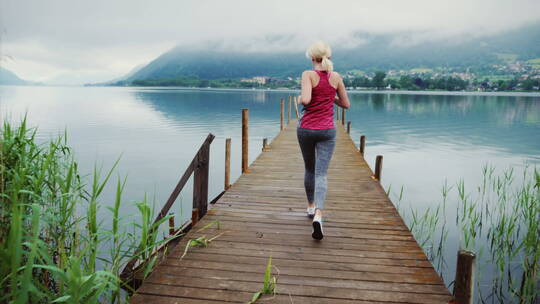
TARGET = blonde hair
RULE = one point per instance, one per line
(321, 51)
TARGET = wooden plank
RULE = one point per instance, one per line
(239, 217)
(246, 249)
(179, 284)
(368, 254)
(227, 296)
(335, 234)
(296, 216)
(173, 272)
(363, 245)
(235, 224)
(150, 298)
(288, 263)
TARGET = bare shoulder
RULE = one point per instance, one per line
(336, 75)
(308, 73)
(335, 79)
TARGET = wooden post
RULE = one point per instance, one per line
(289, 110)
(378, 167)
(200, 181)
(362, 144)
(194, 216)
(2, 172)
(245, 118)
(296, 106)
(348, 127)
(281, 115)
(343, 116)
(464, 284)
(171, 224)
(227, 163)
(265, 142)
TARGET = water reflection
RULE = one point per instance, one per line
(425, 138)
(201, 105)
(507, 123)
(377, 101)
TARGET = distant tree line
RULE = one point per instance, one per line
(378, 81)
(364, 82)
(213, 83)
(509, 85)
(449, 83)
(417, 83)
(530, 84)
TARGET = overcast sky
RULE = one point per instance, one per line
(78, 41)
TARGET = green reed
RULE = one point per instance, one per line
(55, 248)
(203, 241)
(499, 220)
(269, 284)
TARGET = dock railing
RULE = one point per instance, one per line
(131, 274)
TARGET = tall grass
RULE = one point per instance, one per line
(499, 220)
(269, 284)
(53, 247)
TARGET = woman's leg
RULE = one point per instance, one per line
(324, 150)
(307, 145)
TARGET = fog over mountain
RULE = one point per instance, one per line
(7, 77)
(77, 41)
(366, 52)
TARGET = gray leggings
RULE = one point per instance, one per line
(317, 148)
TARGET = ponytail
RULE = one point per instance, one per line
(327, 64)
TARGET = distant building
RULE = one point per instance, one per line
(256, 79)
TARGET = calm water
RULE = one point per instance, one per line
(425, 138)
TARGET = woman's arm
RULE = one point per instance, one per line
(305, 97)
(343, 99)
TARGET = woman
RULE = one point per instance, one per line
(316, 133)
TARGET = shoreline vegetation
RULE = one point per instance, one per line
(497, 220)
(349, 90)
(53, 245)
(377, 81)
(57, 249)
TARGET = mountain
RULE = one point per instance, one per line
(212, 64)
(120, 80)
(130, 73)
(7, 77)
(476, 52)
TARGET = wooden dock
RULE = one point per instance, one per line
(367, 255)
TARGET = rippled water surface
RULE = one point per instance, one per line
(425, 138)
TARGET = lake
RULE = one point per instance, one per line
(426, 138)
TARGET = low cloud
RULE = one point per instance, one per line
(97, 40)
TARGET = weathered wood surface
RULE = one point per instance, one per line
(367, 255)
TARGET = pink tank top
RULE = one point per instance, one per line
(319, 113)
